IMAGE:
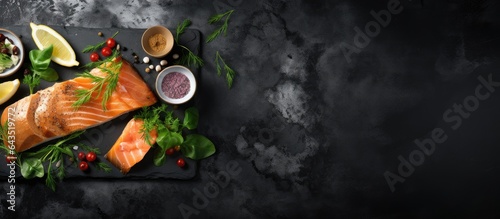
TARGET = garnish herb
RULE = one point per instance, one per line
(92, 48)
(222, 29)
(181, 28)
(230, 73)
(40, 61)
(99, 164)
(170, 133)
(5, 60)
(188, 57)
(103, 86)
(31, 162)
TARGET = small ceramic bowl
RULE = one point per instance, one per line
(175, 84)
(19, 44)
(157, 41)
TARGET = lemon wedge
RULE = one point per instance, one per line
(8, 89)
(45, 36)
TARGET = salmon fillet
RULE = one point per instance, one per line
(49, 113)
(130, 147)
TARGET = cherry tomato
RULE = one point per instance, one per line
(91, 156)
(94, 57)
(81, 156)
(10, 159)
(84, 166)
(177, 148)
(106, 51)
(111, 43)
(170, 151)
(181, 163)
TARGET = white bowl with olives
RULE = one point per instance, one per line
(11, 53)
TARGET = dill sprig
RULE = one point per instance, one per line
(222, 29)
(230, 73)
(99, 164)
(54, 155)
(108, 83)
(151, 119)
(92, 48)
(188, 58)
(181, 27)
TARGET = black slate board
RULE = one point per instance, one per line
(105, 135)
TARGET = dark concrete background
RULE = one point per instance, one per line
(312, 133)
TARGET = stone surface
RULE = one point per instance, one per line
(308, 131)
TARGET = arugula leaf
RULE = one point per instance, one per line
(197, 147)
(191, 117)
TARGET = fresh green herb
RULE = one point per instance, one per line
(103, 86)
(223, 28)
(31, 163)
(181, 28)
(230, 73)
(92, 48)
(40, 61)
(170, 132)
(197, 147)
(103, 166)
(99, 164)
(5, 61)
(188, 58)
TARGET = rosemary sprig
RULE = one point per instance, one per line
(222, 29)
(230, 73)
(92, 48)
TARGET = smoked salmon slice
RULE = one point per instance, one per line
(130, 147)
(49, 113)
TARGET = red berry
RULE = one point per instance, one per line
(181, 163)
(84, 166)
(111, 43)
(91, 156)
(94, 57)
(81, 156)
(10, 159)
(170, 151)
(106, 51)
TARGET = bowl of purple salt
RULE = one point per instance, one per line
(175, 84)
